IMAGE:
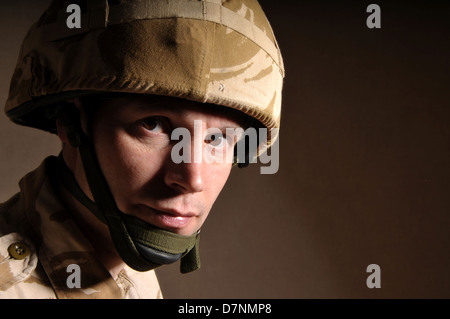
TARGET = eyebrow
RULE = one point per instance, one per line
(165, 109)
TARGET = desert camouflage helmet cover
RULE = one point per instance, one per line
(214, 51)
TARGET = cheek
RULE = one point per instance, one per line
(127, 164)
(216, 180)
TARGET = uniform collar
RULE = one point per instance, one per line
(61, 242)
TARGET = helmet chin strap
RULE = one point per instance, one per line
(141, 246)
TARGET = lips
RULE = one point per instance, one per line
(167, 219)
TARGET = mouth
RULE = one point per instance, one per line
(168, 219)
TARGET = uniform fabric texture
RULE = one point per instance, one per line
(41, 217)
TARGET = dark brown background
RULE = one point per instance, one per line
(364, 164)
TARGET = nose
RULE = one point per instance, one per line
(188, 176)
(185, 177)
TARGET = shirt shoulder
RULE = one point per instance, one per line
(17, 260)
(19, 270)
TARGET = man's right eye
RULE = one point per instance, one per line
(153, 124)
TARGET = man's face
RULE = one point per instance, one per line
(132, 137)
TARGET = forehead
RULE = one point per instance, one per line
(139, 105)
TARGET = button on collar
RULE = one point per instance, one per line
(19, 250)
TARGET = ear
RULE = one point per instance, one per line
(60, 129)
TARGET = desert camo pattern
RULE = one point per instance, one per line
(38, 218)
(212, 51)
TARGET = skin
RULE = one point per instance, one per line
(132, 137)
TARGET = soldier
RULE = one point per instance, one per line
(97, 220)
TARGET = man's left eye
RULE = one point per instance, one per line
(153, 124)
(216, 140)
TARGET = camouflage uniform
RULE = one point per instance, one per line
(37, 220)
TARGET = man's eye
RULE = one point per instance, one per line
(216, 140)
(153, 124)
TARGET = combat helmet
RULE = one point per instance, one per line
(220, 52)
